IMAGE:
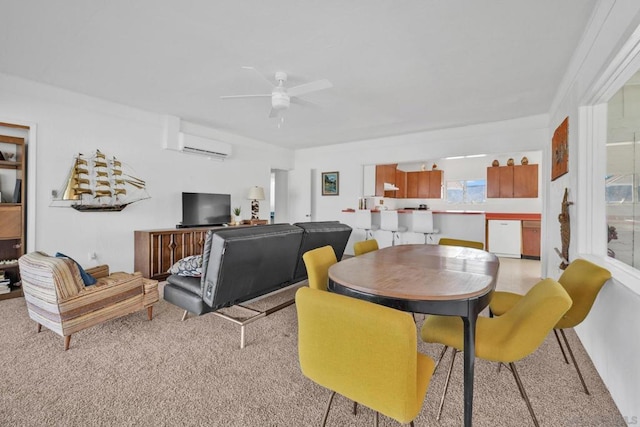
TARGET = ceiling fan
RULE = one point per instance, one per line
(281, 96)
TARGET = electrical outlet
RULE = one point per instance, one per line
(92, 256)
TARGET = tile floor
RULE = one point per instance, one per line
(518, 275)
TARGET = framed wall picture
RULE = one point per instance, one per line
(560, 150)
(330, 183)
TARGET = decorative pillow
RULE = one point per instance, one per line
(190, 266)
(87, 278)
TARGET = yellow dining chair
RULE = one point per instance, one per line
(364, 351)
(318, 262)
(458, 242)
(582, 280)
(364, 246)
(508, 338)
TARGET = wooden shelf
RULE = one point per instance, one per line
(12, 215)
(16, 292)
(7, 164)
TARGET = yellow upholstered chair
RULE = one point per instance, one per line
(364, 351)
(318, 262)
(582, 280)
(57, 298)
(364, 246)
(508, 338)
(458, 242)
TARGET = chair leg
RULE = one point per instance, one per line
(446, 384)
(184, 315)
(355, 408)
(375, 419)
(67, 341)
(150, 312)
(444, 350)
(326, 413)
(575, 363)
(39, 327)
(523, 393)
(555, 332)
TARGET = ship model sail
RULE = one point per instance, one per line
(100, 184)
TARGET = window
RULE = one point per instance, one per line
(470, 191)
(619, 188)
(622, 192)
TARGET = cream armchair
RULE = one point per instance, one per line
(58, 299)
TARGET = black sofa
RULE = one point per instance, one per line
(241, 264)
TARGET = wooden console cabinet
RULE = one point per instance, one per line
(157, 250)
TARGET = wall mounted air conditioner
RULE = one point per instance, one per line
(192, 144)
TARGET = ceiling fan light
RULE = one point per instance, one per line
(280, 100)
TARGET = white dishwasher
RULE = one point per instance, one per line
(505, 238)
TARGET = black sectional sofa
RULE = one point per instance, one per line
(241, 264)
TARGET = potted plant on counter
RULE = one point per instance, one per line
(236, 213)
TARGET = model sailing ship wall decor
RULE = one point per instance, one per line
(100, 184)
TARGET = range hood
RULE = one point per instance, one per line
(390, 187)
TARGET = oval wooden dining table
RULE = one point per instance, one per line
(429, 279)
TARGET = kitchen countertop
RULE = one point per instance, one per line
(452, 211)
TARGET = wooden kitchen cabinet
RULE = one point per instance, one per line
(435, 184)
(385, 173)
(401, 183)
(531, 239)
(525, 181)
(424, 185)
(518, 181)
(412, 185)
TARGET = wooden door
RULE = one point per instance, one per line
(525, 181)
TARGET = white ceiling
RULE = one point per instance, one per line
(396, 66)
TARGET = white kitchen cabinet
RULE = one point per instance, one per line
(505, 238)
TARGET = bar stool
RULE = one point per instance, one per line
(423, 223)
(363, 222)
(389, 222)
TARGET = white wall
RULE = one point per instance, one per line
(68, 123)
(498, 139)
(610, 332)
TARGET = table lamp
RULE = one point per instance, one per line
(256, 193)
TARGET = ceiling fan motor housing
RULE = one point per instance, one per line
(279, 98)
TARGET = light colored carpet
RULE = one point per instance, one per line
(166, 373)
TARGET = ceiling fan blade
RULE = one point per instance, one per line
(309, 87)
(303, 102)
(262, 95)
(274, 113)
(270, 81)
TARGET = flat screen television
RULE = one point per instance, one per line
(202, 209)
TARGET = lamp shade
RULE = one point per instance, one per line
(256, 193)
